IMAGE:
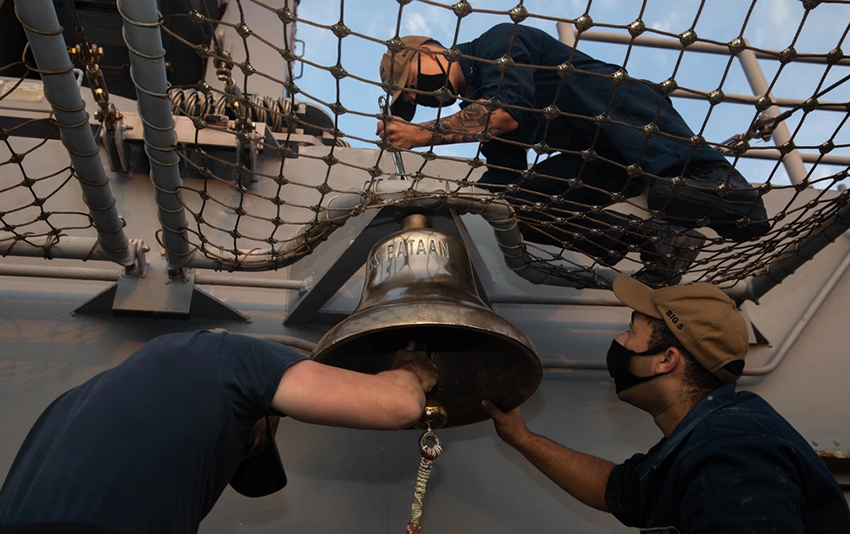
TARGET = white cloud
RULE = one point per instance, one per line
(775, 24)
(415, 24)
(674, 23)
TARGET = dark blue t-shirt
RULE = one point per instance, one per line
(582, 89)
(733, 465)
(149, 445)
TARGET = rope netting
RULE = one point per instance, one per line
(31, 174)
(564, 231)
(37, 209)
(581, 201)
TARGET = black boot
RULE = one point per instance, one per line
(714, 195)
(666, 251)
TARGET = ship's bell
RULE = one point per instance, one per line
(419, 288)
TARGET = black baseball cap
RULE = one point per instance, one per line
(263, 474)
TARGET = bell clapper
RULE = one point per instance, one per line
(429, 453)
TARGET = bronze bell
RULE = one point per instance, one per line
(419, 287)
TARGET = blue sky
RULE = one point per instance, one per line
(772, 25)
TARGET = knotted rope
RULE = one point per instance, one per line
(429, 454)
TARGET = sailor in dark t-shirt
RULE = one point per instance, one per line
(150, 445)
(600, 136)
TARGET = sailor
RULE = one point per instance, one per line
(150, 445)
(728, 462)
(609, 137)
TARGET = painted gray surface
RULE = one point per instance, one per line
(359, 481)
(340, 480)
(347, 481)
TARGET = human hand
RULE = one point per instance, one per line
(402, 134)
(509, 425)
(418, 363)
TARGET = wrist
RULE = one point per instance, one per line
(523, 440)
(424, 137)
(407, 373)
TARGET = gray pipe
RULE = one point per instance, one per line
(398, 193)
(567, 34)
(498, 213)
(147, 69)
(795, 255)
(792, 161)
(60, 87)
(62, 273)
(82, 273)
(64, 246)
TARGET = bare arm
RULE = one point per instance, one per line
(316, 393)
(581, 475)
(462, 127)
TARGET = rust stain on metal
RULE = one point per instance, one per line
(834, 453)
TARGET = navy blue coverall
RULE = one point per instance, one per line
(581, 92)
(732, 465)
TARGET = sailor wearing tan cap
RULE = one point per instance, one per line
(519, 88)
(728, 461)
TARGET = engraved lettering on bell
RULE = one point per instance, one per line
(414, 247)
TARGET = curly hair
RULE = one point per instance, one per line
(698, 380)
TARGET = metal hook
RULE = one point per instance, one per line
(385, 109)
(430, 452)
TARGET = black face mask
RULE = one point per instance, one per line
(433, 82)
(618, 366)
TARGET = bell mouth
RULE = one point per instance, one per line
(477, 353)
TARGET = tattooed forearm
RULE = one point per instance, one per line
(464, 127)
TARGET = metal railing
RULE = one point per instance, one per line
(791, 159)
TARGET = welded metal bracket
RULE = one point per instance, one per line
(112, 137)
(346, 249)
(161, 294)
(754, 335)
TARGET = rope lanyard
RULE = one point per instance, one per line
(429, 454)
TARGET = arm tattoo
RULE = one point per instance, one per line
(463, 127)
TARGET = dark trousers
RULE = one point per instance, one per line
(583, 186)
(576, 219)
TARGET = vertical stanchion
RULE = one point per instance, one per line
(792, 161)
(44, 34)
(147, 70)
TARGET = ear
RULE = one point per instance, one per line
(429, 51)
(669, 361)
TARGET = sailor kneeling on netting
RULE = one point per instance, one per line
(612, 138)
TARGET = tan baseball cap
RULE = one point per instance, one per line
(396, 67)
(700, 315)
